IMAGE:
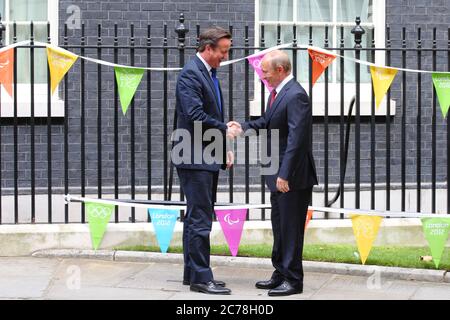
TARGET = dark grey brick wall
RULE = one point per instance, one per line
(400, 13)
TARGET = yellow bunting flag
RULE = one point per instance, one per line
(7, 70)
(365, 229)
(382, 80)
(60, 61)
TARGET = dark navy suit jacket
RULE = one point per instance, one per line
(196, 100)
(290, 114)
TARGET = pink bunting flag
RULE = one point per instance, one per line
(232, 223)
(255, 62)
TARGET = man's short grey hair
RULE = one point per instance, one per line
(279, 58)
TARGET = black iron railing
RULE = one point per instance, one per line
(388, 164)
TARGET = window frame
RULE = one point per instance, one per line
(379, 24)
(40, 89)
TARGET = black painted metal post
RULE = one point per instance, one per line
(342, 122)
(263, 107)
(66, 133)
(99, 112)
(33, 128)
(230, 113)
(181, 31)
(310, 42)
(82, 123)
(49, 136)
(419, 119)
(116, 126)
(133, 131)
(247, 117)
(388, 126)
(358, 32)
(16, 125)
(149, 117)
(404, 88)
(433, 133)
(165, 106)
(372, 136)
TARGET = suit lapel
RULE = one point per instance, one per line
(277, 101)
(208, 78)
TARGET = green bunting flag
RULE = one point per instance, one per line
(128, 80)
(442, 85)
(98, 216)
(436, 232)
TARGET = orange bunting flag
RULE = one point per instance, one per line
(320, 61)
(308, 218)
(7, 70)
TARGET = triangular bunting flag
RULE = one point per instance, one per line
(232, 223)
(60, 61)
(365, 229)
(442, 85)
(436, 232)
(128, 80)
(255, 62)
(7, 70)
(308, 218)
(320, 61)
(382, 80)
(164, 223)
(98, 216)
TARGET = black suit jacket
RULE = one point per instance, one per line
(290, 114)
(196, 100)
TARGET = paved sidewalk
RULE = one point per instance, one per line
(93, 279)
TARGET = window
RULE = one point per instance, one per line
(23, 12)
(318, 14)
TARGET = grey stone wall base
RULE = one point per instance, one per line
(259, 263)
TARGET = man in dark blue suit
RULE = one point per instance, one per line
(201, 126)
(289, 113)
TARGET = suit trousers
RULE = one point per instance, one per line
(200, 188)
(288, 217)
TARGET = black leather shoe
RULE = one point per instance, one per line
(284, 289)
(217, 282)
(270, 284)
(209, 288)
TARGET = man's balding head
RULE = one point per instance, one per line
(278, 58)
(276, 66)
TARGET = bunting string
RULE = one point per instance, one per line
(129, 77)
(393, 214)
(225, 63)
(232, 219)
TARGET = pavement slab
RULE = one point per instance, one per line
(89, 279)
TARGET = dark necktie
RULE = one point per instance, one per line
(272, 98)
(216, 85)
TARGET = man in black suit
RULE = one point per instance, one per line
(289, 112)
(200, 107)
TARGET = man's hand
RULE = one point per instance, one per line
(282, 185)
(234, 129)
(230, 159)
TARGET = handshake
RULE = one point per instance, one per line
(234, 130)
